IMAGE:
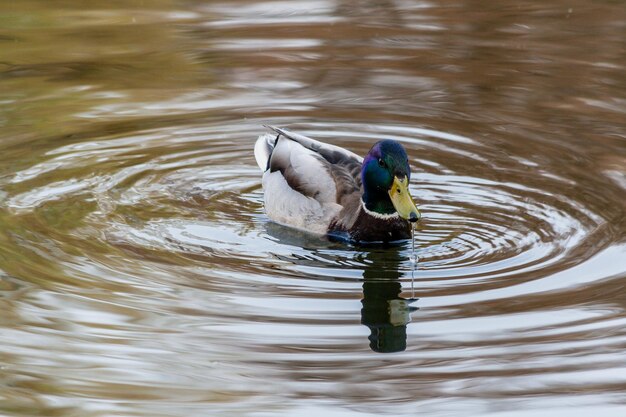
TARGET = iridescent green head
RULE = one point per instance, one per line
(385, 176)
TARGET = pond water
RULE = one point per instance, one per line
(139, 275)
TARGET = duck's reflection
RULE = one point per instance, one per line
(384, 311)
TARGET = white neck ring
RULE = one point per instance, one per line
(379, 215)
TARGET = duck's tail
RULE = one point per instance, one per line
(263, 149)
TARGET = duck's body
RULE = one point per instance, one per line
(320, 188)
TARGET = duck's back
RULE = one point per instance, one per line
(307, 184)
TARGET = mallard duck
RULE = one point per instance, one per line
(325, 189)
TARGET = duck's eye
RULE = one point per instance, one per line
(381, 162)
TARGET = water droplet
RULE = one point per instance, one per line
(413, 258)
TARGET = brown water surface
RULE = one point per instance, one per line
(139, 275)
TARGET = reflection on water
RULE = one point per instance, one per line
(139, 275)
(384, 311)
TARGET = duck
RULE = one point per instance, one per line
(328, 190)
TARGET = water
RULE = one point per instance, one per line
(140, 277)
(413, 258)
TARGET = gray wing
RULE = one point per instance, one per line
(332, 153)
(306, 182)
(343, 166)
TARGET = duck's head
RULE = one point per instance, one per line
(385, 176)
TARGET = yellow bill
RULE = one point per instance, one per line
(402, 201)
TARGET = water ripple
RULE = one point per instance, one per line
(140, 276)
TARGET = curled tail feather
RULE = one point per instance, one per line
(263, 149)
